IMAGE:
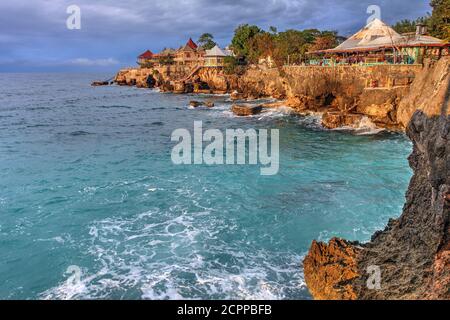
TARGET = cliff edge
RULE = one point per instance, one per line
(412, 255)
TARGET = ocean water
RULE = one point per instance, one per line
(91, 206)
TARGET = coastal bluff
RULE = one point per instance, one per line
(387, 95)
(413, 252)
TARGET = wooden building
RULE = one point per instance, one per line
(190, 55)
(146, 59)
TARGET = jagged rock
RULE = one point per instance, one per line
(236, 96)
(428, 91)
(196, 104)
(413, 252)
(179, 87)
(338, 119)
(329, 268)
(332, 119)
(245, 110)
(209, 104)
(99, 83)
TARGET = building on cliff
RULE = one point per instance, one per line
(379, 43)
(216, 57)
(146, 59)
(190, 55)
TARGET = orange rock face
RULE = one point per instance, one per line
(330, 268)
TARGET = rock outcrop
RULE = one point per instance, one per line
(329, 269)
(413, 252)
(427, 92)
(387, 95)
(245, 110)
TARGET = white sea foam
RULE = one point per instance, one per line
(177, 254)
(364, 127)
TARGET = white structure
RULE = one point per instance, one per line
(216, 57)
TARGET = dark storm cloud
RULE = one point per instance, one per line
(34, 33)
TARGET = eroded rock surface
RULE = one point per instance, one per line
(413, 252)
(330, 268)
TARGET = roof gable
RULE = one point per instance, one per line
(216, 52)
(375, 33)
(191, 44)
(146, 55)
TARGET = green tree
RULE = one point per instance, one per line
(273, 30)
(292, 45)
(206, 41)
(326, 40)
(261, 46)
(439, 22)
(241, 40)
(166, 60)
(405, 26)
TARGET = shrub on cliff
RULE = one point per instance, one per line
(234, 66)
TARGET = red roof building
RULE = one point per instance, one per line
(146, 55)
(192, 44)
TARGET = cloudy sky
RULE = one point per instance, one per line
(34, 35)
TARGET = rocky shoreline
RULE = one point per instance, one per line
(387, 95)
(413, 252)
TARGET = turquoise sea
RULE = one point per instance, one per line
(87, 184)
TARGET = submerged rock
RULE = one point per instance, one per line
(337, 119)
(245, 110)
(99, 83)
(236, 96)
(209, 104)
(195, 104)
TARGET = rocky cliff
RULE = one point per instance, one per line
(388, 95)
(413, 252)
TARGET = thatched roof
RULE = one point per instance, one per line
(377, 35)
(217, 52)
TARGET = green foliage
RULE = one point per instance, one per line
(405, 26)
(439, 21)
(166, 60)
(206, 41)
(233, 65)
(273, 30)
(147, 64)
(242, 37)
(327, 40)
(409, 26)
(290, 46)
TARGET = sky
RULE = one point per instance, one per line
(34, 36)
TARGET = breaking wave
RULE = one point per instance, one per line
(179, 255)
(365, 127)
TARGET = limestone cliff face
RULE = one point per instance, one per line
(413, 252)
(387, 94)
(427, 92)
(345, 94)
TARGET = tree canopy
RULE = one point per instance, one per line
(252, 43)
(439, 21)
(206, 41)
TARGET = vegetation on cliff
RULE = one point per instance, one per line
(250, 43)
(438, 22)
